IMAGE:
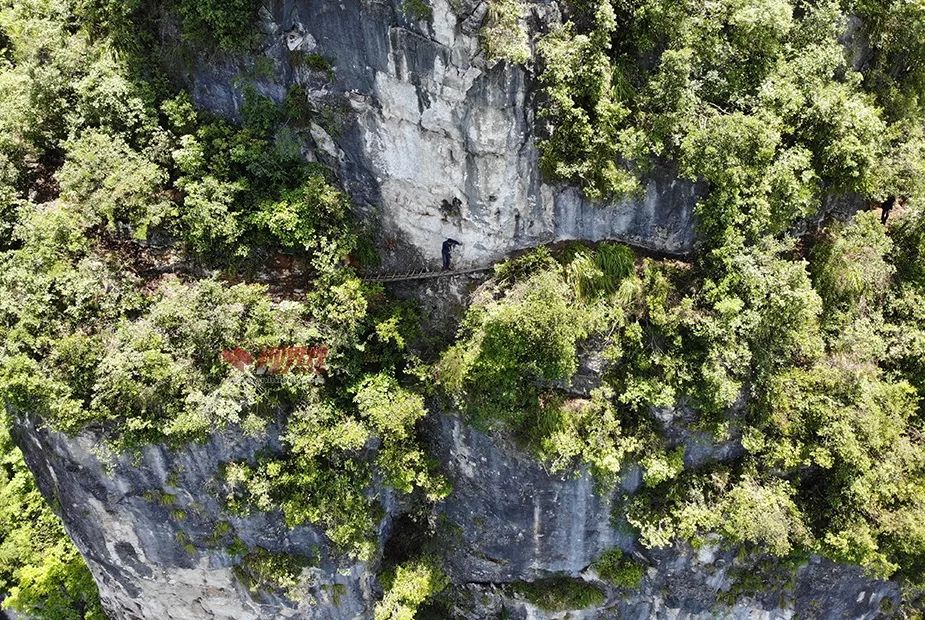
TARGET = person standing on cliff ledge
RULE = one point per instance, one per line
(447, 250)
(886, 208)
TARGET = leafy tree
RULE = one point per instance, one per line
(223, 23)
(763, 514)
(894, 31)
(119, 184)
(583, 432)
(408, 586)
(208, 214)
(512, 346)
(850, 271)
(303, 218)
(587, 137)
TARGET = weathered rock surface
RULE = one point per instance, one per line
(519, 522)
(154, 562)
(432, 141)
(689, 585)
(511, 521)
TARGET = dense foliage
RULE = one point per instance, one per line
(759, 99)
(137, 228)
(502, 34)
(136, 231)
(560, 594)
(620, 570)
(812, 365)
(408, 586)
(40, 570)
(797, 333)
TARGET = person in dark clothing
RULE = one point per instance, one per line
(447, 249)
(886, 207)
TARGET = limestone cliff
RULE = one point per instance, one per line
(159, 544)
(432, 140)
(518, 522)
(511, 521)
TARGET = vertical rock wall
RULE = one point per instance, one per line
(149, 529)
(511, 520)
(518, 522)
(434, 141)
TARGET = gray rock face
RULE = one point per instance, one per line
(154, 562)
(432, 142)
(435, 142)
(518, 522)
(513, 521)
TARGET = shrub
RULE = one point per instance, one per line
(850, 270)
(502, 35)
(619, 570)
(41, 571)
(408, 586)
(223, 23)
(261, 571)
(317, 62)
(560, 594)
(417, 9)
(510, 347)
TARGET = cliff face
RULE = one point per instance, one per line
(154, 534)
(432, 142)
(517, 522)
(431, 139)
(151, 528)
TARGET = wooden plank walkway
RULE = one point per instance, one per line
(422, 274)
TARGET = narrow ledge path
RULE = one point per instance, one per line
(424, 273)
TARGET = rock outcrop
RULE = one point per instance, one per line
(159, 544)
(518, 522)
(432, 140)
